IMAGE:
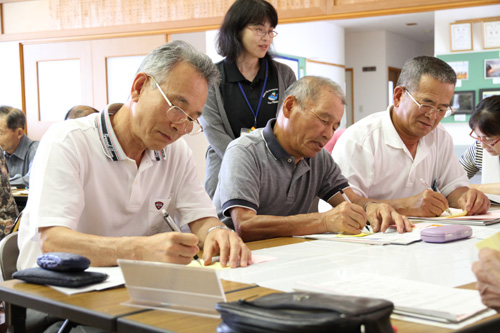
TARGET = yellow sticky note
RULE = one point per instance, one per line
(216, 265)
(462, 213)
(363, 234)
(492, 242)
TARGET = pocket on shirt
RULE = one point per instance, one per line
(157, 223)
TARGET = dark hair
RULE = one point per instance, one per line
(414, 68)
(240, 14)
(486, 116)
(15, 117)
(79, 111)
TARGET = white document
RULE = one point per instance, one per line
(411, 298)
(115, 278)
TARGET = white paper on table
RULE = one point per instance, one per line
(115, 278)
(431, 301)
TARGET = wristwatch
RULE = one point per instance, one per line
(222, 226)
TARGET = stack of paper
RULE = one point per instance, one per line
(410, 298)
(489, 218)
(390, 236)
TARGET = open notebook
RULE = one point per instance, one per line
(171, 287)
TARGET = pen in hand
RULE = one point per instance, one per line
(346, 198)
(171, 224)
(435, 189)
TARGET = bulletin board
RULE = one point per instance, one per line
(476, 78)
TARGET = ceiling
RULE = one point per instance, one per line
(422, 32)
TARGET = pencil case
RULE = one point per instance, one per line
(63, 262)
(446, 233)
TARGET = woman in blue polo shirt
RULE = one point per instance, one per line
(485, 125)
(251, 82)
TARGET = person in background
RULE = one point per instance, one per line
(485, 129)
(8, 207)
(19, 150)
(106, 185)
(487, 271)
(403, 156)
(270, 178)
(79, 111)
(252, 84)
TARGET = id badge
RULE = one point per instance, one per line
(245, 131)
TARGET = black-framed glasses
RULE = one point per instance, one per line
(429, 109)
(178, 116)
(262, 32)
(490, 142)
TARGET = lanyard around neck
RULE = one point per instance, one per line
(256, 113)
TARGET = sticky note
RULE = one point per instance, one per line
(492, 242)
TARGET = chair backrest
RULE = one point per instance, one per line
(8, 255)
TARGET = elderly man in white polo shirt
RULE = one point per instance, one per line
(99, 184)
(403, 155)
(270, 177)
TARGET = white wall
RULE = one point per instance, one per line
(380, 49)
(443, 18)
(370, 88)
(10, 72)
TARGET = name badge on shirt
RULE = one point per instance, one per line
(245, 131)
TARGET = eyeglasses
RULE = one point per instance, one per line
(261, 32)
(491, 142)
(429, 109)
(178, 116)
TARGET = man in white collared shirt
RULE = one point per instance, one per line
(394, 156)
(100, 183)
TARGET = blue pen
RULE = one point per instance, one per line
(435, 189)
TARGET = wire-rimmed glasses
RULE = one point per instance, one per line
(429, 109)
(178, 116)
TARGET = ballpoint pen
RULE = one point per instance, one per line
(346, 198)
(175, 228)
(435, 189)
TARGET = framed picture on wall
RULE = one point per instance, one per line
(461, 68)
(483, 93)
(463, 102)
(491, 35)
(491, 68)
(461, 36)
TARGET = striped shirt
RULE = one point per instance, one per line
(472, 159)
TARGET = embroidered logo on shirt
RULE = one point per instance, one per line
(273, 97)
(159, 205)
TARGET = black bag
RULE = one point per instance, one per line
(306, 312)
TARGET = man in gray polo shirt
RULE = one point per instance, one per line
(270, 178)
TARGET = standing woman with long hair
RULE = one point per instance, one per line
(252, 84)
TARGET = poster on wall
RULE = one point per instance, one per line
(491, 68)
(461, 68)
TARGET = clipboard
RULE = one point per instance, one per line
(172, 287)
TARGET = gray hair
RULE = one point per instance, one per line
(159, 62)
(414, 68)
(15, 117)
(308, 88)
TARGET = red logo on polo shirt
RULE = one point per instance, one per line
(159, 205)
